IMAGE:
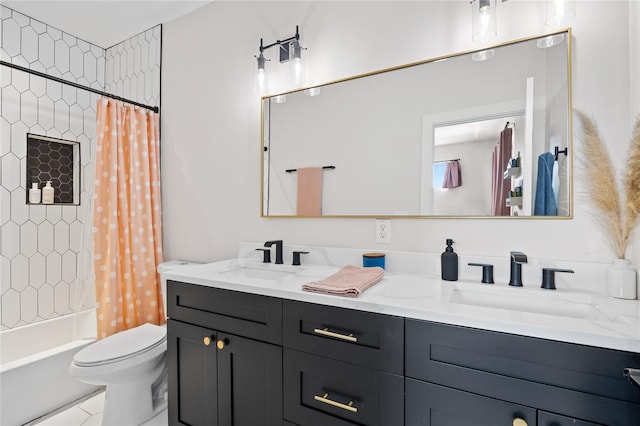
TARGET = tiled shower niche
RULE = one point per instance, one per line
(55, 160)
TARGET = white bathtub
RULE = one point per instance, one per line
(34, 360)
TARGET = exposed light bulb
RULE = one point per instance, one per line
(483, 15)
(297, 70)
(261, 77)
(261, 71)
(484, 24)
(295, 62)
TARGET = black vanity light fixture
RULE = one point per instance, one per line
(290, 51)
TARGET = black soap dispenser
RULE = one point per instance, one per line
(449, 260)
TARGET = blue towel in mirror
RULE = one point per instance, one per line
(545, 204)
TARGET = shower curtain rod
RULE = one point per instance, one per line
(78, 86)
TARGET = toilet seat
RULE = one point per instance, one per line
(122, 346)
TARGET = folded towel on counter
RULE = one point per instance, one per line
(349, 281)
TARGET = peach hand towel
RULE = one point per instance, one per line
(349, 281)
(309, 201)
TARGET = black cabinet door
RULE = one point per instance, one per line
(191, 359)
(434, 405)
(577, 381)
(249, 382)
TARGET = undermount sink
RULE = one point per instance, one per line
(259, 271)
(566, 304)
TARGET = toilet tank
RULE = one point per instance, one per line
(164, 268)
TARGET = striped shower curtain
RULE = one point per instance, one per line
(127, 233)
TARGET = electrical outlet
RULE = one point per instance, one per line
(383, 231)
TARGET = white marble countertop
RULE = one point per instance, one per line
(568, 315)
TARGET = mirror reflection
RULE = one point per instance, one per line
(478, 134)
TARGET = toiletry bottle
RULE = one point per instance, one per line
(449, 260)
(47, 193)
(34, 194)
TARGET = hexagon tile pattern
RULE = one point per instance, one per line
(43, 247)
(133, 68)
(48, 160)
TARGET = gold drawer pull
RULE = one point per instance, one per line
(326, 332)
(519, 422)
(348, 407)
(206, 341)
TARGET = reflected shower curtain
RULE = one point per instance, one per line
(499, 186)
(127, 233)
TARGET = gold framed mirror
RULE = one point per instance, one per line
(484, 133)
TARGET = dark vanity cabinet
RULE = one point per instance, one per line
(459, 375)
(241, 359)
(234, 361)
(224, 357)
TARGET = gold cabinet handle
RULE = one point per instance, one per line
(324, 398)
(519, 422)
(206, 341)
(221, 343)
(326, 332)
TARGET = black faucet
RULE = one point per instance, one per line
(278, 244)
(517, 259)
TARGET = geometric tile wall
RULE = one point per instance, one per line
(133, 67)
(45, 250)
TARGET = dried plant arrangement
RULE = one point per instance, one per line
(632, 182)
(618, 210)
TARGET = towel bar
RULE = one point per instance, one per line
(323, 168)
(558, 151)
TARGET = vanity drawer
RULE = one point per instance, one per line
(433, 405)
(579, 381)
(363, 338)
(323, 392)
(249, 315)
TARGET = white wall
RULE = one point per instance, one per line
(211, 118)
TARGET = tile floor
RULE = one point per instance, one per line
(89, 413)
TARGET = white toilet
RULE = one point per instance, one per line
(132, 366)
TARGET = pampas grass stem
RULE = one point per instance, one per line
(632, 183)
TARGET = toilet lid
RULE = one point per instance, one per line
(123, 345)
